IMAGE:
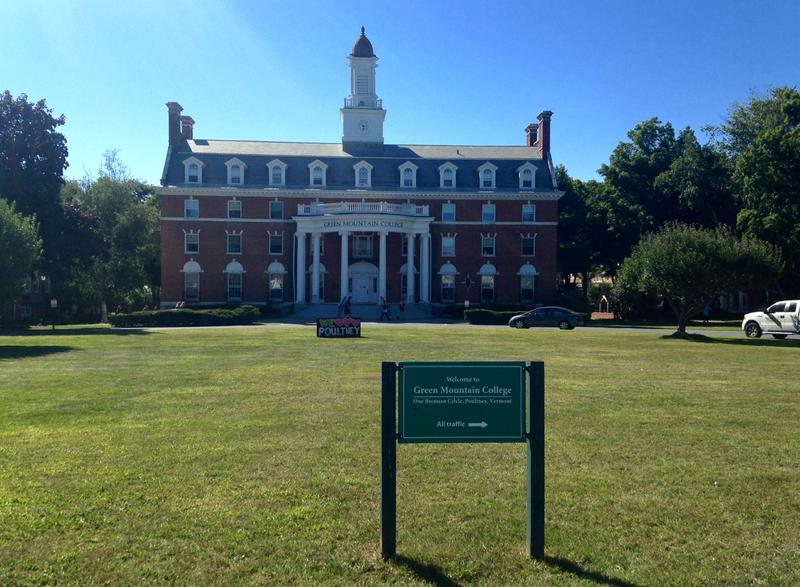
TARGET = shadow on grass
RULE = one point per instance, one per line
(22, 352)
(754, 342)
(574, 568)
(75, 332)
(425, 572)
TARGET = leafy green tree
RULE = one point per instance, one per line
(33, 156)
(581, 225)
(20, 245)
(767, 174)
(122, 265)
(689, 266)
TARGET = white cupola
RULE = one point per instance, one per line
(363, 113)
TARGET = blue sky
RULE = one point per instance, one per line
(466, 72)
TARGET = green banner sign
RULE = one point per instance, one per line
(462, 402)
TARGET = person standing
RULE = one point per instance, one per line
(384, 310)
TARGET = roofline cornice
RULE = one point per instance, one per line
(357, 194)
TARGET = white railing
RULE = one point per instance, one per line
(319, 209)
(363, 103)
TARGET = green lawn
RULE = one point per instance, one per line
(251, 455)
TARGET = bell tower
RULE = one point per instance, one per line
(363, 113)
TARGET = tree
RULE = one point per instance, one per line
(767, 174)
(20, 245)
(121, 265)
(689, 266)
(33, 156)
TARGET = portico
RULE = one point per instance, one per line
(360, 221)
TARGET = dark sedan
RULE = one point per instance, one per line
(547, 316)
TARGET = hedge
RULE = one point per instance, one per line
(484, 316)
(187, 317)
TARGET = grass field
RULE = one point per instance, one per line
(251, 456)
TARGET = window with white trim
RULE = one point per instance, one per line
(191, 208)
(448, 212)
(362, 245)
(528, 212)
(277, 172)
(487, 245)
(486, 176)
(276, 244)
(528, 245)
(235, 283)
(191, 286)
(408, 175)
(447, 175)
(448, 245)
(487, 288)
(448, 289)
(276, 210)
(488, 214)
(526, 288)
(193, 170)
(527, 176)
(236, 169)
(234, 243)
(234, 208)
(276, 287)
(191, 242)
(317, 171)
(363, 174)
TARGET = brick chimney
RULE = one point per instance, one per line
(544, 132)
(174, 122)
(187, 127)
(531, 134)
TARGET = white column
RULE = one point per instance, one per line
(410, 270)
(345, 272)
(300, 272)
(424, 269)
(315, 268)
(382, 267)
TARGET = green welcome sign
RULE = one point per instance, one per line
(457, 402)
(500, 401)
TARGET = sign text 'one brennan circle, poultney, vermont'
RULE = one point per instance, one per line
(458, 402)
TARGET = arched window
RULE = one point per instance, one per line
(317, 175)
(408, 178)
(488, 274)
(235, 281)
(448, 274)
(363, 177)
(194, 173)
(236, 174)
(527, 282)
(447, 178)
(275, 273)
(527, 178)
(488, 178)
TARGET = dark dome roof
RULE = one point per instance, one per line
(362, 48)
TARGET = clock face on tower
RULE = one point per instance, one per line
(363, 126)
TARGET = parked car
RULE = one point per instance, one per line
(780, 320)
(563, 318)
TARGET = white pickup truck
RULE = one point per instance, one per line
(780, 320)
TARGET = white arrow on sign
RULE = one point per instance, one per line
(477, 424)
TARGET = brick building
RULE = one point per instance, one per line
(308, 223)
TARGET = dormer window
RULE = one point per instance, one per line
(193, 170)
(486, 176)
(527, 176)
(447, 175)
(317, 173)
(277, 172)
(236, 169)
(363, 171)
(408, 175)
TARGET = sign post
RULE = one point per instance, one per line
(463, 402)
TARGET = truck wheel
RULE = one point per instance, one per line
(752, 330)
(519, 324)
(564, 325)
(779, 336)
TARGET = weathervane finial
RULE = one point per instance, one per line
(362, 30)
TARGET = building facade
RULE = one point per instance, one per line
(293, 224)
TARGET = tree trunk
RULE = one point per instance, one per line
(682, 315)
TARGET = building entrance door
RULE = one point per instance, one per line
(364, 283)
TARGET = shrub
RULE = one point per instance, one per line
(187, 317)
